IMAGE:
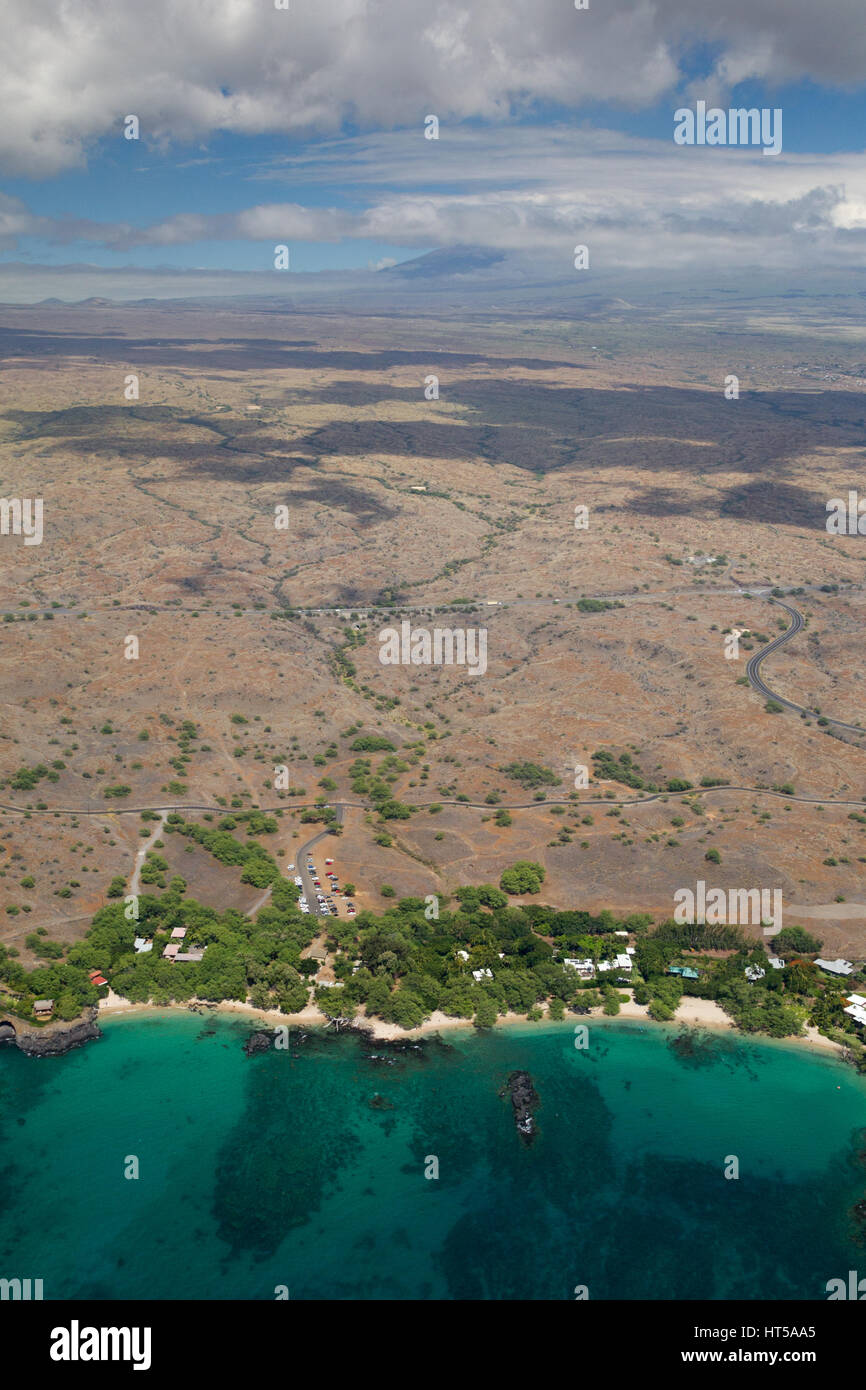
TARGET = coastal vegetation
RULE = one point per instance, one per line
(481, 958)
(401, 967)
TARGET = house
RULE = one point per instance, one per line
(836, 967)
(685, 971)
(584, 968)
(195, 954)
(622, 962)
(43, 1008)
(171, 950)
(621, 933)
(178, 933)
(777, 962)
(142, 944)
(464, 955)
(754, 972)
(857, 1008)
(97, 979)
(482, 974)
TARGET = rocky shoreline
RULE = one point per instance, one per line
(389, 1049)
(53, 1039)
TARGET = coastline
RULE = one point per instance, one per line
(692, 1013)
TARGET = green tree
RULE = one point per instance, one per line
(526, 876)
(486, 1013)
(796, 941)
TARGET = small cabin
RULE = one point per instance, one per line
(43, 1008)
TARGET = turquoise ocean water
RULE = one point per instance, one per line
(306, 1168)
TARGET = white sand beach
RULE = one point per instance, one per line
(695, 1013)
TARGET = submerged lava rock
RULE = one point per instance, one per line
(525, 1100)
(258, 1042)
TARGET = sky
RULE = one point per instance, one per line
(305, 126)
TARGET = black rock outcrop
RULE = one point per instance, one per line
(525, 1101)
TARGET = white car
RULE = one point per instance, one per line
(290, 869)
(299, 882)
(303, 909)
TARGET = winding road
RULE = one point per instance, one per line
(753, 668)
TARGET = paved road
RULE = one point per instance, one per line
(300, 868)
(340, 806)
(301, 863)
(420, 605)
(753, 669)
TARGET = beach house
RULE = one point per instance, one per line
(857, 1008)
(835, 967)
(620, 962)
(585, 968)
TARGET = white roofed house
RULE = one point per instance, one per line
(482, 974)
(585, 968)
(619, 962)
(856, 1008)
(835, 967)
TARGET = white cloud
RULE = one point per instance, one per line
(633, 201)
(70, 71)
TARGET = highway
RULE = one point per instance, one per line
(753, 668)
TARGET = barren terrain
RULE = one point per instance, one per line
(159, 524)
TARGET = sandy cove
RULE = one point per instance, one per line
(693, 1012)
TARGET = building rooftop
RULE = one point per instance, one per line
(836, 967)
